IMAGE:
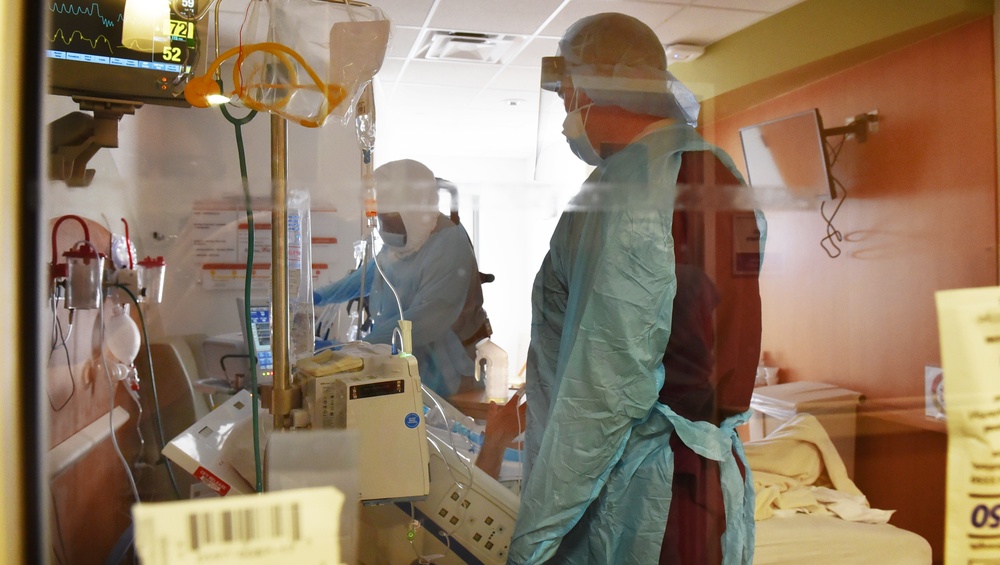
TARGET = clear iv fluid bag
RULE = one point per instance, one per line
(300, 287)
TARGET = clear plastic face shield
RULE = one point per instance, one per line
(391, 229)
(407, 204)
(555, 162)
(566, 87)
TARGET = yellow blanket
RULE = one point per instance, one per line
(796, 469)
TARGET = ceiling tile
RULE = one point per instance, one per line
(510, 16)
(533, 52)
(459, 108)
(652, 13)
(703, 26)
(424, 99)
(769, 6)
(402, 41)
(405, 12)
(446, 73)
(390, 70)
(516, 78)
(526, 102)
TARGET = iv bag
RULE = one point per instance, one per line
(344, 43)
(300, 283)
(317, 60)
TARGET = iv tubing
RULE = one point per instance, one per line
(55, 230)
(366, 106)
(111, 402)
(238, 123)
(386, 279)
(128, 246)
(152, 384)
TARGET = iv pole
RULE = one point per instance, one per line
(281, 398)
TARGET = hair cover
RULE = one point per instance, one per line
(619, 61)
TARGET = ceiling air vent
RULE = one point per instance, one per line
(466, 46)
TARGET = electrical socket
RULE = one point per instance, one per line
(870, 117)
(873, 121)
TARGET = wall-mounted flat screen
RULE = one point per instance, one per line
(789, 153)
(92, 52)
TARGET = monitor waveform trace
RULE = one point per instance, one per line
(93, 11)
(100, 40)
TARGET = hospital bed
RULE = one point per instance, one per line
(823, 540)
(808, 508)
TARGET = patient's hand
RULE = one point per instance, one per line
(503, 425)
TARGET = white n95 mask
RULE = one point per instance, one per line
(576, 135)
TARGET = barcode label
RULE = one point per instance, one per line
(301, 525)
(274, 523)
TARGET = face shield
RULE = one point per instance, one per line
(638, 89)
(555, 162)
(407, 195)
(642, 90)
(391, 229)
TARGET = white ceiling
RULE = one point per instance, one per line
(467, 108)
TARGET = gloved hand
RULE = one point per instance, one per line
(317, 299)
(503, 425)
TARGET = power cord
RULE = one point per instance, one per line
(833, 235)
(60, 340)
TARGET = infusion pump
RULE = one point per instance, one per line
(378, 394)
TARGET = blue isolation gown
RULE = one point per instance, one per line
(440, 292)
(598, 462)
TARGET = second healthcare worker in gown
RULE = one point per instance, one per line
(430, 262)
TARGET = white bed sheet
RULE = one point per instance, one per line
(810, 512)
(827, 540)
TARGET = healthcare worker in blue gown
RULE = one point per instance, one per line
(631, 451)
(430, 262)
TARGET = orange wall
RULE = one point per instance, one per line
(920, 216)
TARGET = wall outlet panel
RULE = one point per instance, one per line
(467, 510)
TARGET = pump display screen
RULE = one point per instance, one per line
(260, 327)
(378, 389)
(90, 53)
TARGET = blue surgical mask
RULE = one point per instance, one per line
(576, 135)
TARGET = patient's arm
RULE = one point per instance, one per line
(503, 425)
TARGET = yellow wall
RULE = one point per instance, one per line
(11, 549)
(810, 41)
